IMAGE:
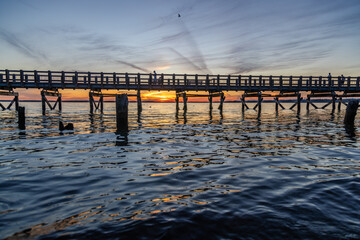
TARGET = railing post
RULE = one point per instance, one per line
(281, 82)
(173, 78)
(89, 79)
(207, 81)
(114, 79)
(290, 81)
(271, 82)
(300, 83)
(102, 78)
(185, 80)
(139, 80)
(7, 76)
(162, 80)
(310, 82)
(49, 78)
(196, 81)
(22, 77)
(260, 82)
(348, 82)
(250, 81)
(36, 78)
(218, 81)
(76, 78)
(62, 79)
(238, 84)
(228, 82)
(127, 79)
(150, 79)
(357, 83)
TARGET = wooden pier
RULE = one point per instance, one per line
(254, 87)
(174, 82)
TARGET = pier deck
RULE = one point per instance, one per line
(174, 82)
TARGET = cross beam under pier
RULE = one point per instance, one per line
(10, 92)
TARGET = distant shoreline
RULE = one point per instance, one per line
(251, 101)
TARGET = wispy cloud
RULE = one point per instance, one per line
(21, 46)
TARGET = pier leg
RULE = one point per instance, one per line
(122, 113)
(210, 102)
(21, 118)
(350, 114)
(299, 98)
(139, 106)
(43, 102)
(242, 103)
(259, 101)
(177, 102)
(276, 104)
(308, 103)
(59, 102)
(91, 101)
(222, 98)
(185, 101)
(101, 101)
(339, 104)
(16, 99)
(333, 102)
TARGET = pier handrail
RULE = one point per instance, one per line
(178, 82)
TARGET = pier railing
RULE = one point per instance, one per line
(178, 82)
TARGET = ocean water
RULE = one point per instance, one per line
(198, 175)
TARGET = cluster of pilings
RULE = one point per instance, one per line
(210, 97)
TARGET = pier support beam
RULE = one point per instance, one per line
(177, 102)
(139, 105)
(257, 95)
(321, 95)
(222, 99)
(122, 114)
(210, 102)
(185, 101)
(96, 105)
(288, 95)
(10, 92)
(45, 101)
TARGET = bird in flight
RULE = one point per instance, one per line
(179, 15)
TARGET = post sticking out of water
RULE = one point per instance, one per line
(43, 102)
(185, 101)
(222, 98)
(177, 102)
(350, 114)
(139, 101)
(122, 113)
(210, 102)
(21, 118)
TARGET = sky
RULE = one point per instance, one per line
(282, 37)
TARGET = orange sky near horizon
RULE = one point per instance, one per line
(156, 96)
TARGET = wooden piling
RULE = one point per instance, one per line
(259, 101)
(43, 102)
(177, 102)
(185, 101)
(21, 118)
(351, 111)
(139, 105)
(299, 98)
(210, 102)
(122, 113)
(222, 98)
(91, 101)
